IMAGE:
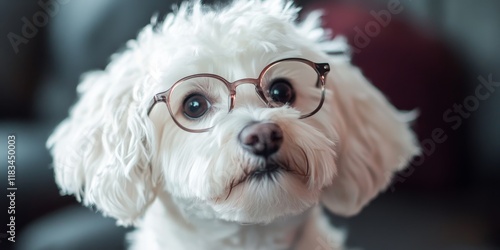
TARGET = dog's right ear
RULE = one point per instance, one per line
(375, 141)
(102, 150)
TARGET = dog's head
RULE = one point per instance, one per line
(238, 113)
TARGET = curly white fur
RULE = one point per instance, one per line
(175, 185)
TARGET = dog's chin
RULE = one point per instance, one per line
(266, 194)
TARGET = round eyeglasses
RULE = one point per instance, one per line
(198, 102)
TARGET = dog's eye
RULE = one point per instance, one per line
(195, 106)
(281, 91)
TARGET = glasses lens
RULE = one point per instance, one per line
(199, 103)
(292, 83)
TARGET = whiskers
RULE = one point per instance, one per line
(297, 169)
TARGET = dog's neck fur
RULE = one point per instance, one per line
(168, 227)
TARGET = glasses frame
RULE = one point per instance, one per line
(321, 69)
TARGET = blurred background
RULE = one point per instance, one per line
(441, 57)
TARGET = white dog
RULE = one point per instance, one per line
(226, 129)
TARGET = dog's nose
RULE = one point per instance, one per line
(262, 139)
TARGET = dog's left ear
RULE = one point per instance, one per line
(102, 151)
(374, 141)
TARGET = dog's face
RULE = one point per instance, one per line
(235, 143)
(259, 160)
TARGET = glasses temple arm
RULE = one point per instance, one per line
(154, 101)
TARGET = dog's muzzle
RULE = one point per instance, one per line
(261, 139)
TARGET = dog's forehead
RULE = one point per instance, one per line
(234, 42)
(242, 28)
(243, 65)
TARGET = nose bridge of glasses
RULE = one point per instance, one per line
(248, 93)
(239, 82)
(248, 81)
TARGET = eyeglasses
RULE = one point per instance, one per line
(198, 102)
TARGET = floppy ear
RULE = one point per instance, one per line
(102, 150)
(374, 141)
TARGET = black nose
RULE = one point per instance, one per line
(262, 139)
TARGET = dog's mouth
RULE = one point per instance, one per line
(268, 172)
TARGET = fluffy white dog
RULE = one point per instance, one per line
(225, 128)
